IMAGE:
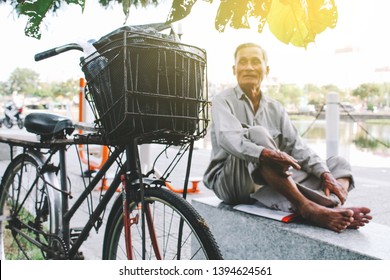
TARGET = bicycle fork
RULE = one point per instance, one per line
(128, 222)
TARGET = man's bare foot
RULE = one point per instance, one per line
(360, 217)
(336, 219)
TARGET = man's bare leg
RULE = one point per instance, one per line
(336, 219)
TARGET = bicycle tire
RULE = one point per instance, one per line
(20, 123)
(8, 123)
(31, 231)
(197, 240)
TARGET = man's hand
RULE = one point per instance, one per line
(280, 160)
(331, 185)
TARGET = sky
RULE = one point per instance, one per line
(361, 28)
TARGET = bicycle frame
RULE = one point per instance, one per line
(129, 175)
(68, 213)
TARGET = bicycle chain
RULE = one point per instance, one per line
(65, 250)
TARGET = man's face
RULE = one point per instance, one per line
(250, 67)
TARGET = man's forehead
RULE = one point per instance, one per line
(250, 51)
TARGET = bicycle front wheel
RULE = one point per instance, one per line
(173, 230)
(20, 123)
(28, 219)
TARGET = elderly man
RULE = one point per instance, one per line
(258, 154)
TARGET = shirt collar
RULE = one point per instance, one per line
(240, 94)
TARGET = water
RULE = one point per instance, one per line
(359, 148)
(361, 143)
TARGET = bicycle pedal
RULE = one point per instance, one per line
(75, 233)
(79, 256)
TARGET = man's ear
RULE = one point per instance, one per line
(267, 70)
(234, 69)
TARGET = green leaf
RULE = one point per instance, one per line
(238, 12)
(36, 12)
(180, 9)
(260, 12)
(233, 11)
(81, 3)
(322, 14)
(299, 21)
(126, 8)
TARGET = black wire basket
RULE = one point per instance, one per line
(148, 85)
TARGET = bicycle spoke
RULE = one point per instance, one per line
(26, 208)
(152, 232)
(163, 237)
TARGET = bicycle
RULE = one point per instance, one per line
(143, 87)
(12, 115)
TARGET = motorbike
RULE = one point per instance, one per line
(12, 115)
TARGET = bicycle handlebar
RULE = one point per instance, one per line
(74, 46)
(57, 50)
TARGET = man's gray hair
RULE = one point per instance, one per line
(246, 45)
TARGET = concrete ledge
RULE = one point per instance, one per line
(244, 236)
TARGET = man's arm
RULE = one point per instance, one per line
(295, 146)
(230, 135)
(280, 160)
(331, 185)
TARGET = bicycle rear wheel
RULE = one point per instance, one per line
(8, 123)
(174, 230)
(28, 219)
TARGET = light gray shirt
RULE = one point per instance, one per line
(232, 114)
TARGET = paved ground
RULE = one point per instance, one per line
(373, 189)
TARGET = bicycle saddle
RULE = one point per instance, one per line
(48, 126)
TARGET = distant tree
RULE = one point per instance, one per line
(292, 93)
(287, 94)
(384, 95)
(364, 91)
(45, 90)
(23, 81)
(330, 88)
(67, 88)
(369, 94)
(311, 88)
(3, 88)
(314, 95)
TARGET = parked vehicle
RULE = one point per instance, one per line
(12, 115)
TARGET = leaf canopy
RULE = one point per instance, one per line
(295, 22)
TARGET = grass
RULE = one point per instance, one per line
(11, 247)
(378, 121)
(295, 117)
